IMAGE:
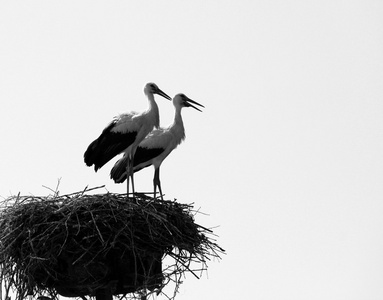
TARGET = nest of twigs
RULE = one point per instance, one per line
(76, 245)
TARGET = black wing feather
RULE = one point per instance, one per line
(143, 155)
(106, 146)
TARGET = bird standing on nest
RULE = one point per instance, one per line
(124, 134)
(156, 146)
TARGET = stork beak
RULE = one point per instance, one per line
(189, 104)
(161, 93)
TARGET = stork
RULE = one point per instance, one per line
(124, 134)
(156, 146)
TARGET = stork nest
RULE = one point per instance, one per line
(79, 244)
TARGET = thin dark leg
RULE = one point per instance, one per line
(159, 188)
(157, 182)
(131, 173)
(127, 176)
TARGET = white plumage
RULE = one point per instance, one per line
(156, 146)
(124, 134)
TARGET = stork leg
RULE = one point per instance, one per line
(157, 182)
(127, 176)
(131, 174)
(131, 170)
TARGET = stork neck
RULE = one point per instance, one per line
(177, 116)
(178, 126)
(178, 122)
(153, 110)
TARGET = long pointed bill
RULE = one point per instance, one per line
(189, 101)
(161, 93)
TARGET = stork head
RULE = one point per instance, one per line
(181, 100)
(152, 88)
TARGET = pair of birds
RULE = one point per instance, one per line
(132, 134)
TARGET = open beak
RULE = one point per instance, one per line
(161, 93)
(190, 102)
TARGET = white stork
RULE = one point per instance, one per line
(156, 146)
(124, 134)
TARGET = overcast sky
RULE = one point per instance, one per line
(286, 158)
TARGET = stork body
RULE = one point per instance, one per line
(124, 134)
(156, 146)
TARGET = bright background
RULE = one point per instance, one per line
(286, 158)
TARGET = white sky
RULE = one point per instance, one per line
(286, 158)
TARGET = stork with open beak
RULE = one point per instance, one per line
(157, 145)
